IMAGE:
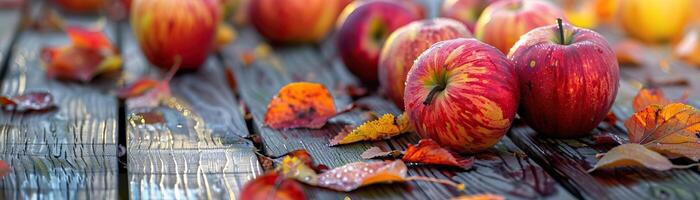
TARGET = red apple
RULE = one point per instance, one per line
(503, 22)
(465, 11)
(168, 31)
(363, 32)
(463, 94)
(568, 85)
(405, 45)
(293, 21)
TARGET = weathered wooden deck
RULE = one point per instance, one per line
(73, 152)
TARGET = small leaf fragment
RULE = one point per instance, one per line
(32, 101)
(137, 88)
(4, 169)
(428, 151)
(646, 97)
(295, 168)
(300, 105)
(87, 38)
(385, 127)
(630, 52)
(376, 152)
(632, 155)
(272, 186)
(480, 197)
(688, 49)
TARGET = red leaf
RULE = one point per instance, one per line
(86, 38)
(272, 186)
(151, 93)
(354, 175)
(137, 88)
(4, 169)
(33, 101)
(428, 151)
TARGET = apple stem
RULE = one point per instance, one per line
(561, 30)
(433, 92)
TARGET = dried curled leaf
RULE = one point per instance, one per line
(89, 55)
(147, 92)
(300, 105)
(480, 197)
(355, 175)
(272, 186)
(385, 127)
(673, 130)
(647, 97)
(137, 88)
(4, 169)
(428, 151)
(32, 101)
(632, 155)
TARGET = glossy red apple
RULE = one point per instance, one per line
(405, 45)
(293, 21)
(463, 94)
(568, 79)
(465, 11)
(168, 31)
(363, 32)
(503, 22)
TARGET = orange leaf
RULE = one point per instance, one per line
(385, 127)
(688, 48)
(647, 97)
(272, 186)
(673, 130)
(300, 105)
(137, 88)
(354, 175)
(4, 169)
(86, 38)
(428, 151)
(633, 155)
(150, 94)
(32, 101)
(630, 52)
(480, 197)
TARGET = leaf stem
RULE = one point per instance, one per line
(433, 92)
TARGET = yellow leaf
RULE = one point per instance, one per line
(385, 127)
(632, 155)
(294, 167)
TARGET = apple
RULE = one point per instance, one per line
(463, 94)
(465, 11)
(175, 31)
(81, 6)
(405, 45)
(654, 20)
(569, 77)
(293, 21)
(503, 22)
(363, 32)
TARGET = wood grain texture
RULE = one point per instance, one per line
(69, 152)
(9, 25)
(200, 152)
(498, 171)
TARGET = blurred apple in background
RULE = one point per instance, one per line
(362, 34)
(405, 45)
(463, 94)
(167, 30)
(568, 80)
(81, 6)
(465, 11)
(503, 22)
(293, 21)
(580, 13)
(654, 20)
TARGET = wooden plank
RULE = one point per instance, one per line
(498, 171)
(69, 152)
(9, 25)
(200, 152)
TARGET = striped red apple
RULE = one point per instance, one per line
(175, 31)
(293, 21)
(463, 94)
(503, 22)
(405, 45)
(364, 26)
(465, 11)
(568, 76)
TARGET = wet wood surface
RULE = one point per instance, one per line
(200, 152)
(69, 152)
(503, 169)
